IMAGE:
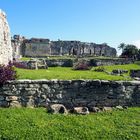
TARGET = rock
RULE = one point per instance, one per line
(119, 71)
(119, 107)
(125, 107)
(1, 98)
(32, 64)
(35, 64)
(135, 73)
(30, 103)
(57, 109)
(137, 78)
(4, 104)
(94, 109)
(81, 110)
(41, 64)
(15, 104)
(107, 109)
(11, 98)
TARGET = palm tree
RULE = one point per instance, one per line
(122, 46)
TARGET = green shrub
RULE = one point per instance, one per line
(7, 73)
(100, 69)
(68, 63)
(81, 65)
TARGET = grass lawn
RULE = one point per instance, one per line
(68, 74)
(71, 57)
(36, 124)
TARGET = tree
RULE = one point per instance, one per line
(122, 46)
(130, 51)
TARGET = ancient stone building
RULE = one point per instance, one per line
(17, 42)
(5, 40)
(36, 47)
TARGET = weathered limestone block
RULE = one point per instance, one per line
(106, 109)
(15, 104)
(81, 110)
(11, 98)
(119, 107)
(28, 101)
(94, 109)
(5, 40)
(57, 109)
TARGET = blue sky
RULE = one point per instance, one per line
(99, 21)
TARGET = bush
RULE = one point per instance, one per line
(100, 69)
(68, 63)
(81, 65)
(20, 65)
(7, 73)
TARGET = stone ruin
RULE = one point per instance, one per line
(36, 47)
(5, 40)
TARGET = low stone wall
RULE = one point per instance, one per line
(71, 93)
(60, 62)
(70, 62)
(135, 73)
(108, 62)
(92, 62)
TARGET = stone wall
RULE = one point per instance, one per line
(60, 62)
(70, 62)
(135, 73)
(17, 42)
(36, 47)
(91, 62)
(71, 93)
(109, 62)
(5, 40)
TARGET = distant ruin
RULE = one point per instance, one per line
(36, 47)
(5, 40)
(19, 46)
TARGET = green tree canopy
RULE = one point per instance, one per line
(130, 51)
(122, 46)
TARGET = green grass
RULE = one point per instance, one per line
(36, 124)
(71, 57)
(64, 73)
(25, 58)
(124, 67)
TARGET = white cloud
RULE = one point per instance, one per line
(136, 43)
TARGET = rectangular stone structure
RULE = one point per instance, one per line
(5, 40)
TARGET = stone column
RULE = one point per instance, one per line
(5, 40)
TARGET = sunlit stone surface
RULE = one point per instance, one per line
(5, 40)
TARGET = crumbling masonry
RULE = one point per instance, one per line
(5, 40)
(36, 47)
